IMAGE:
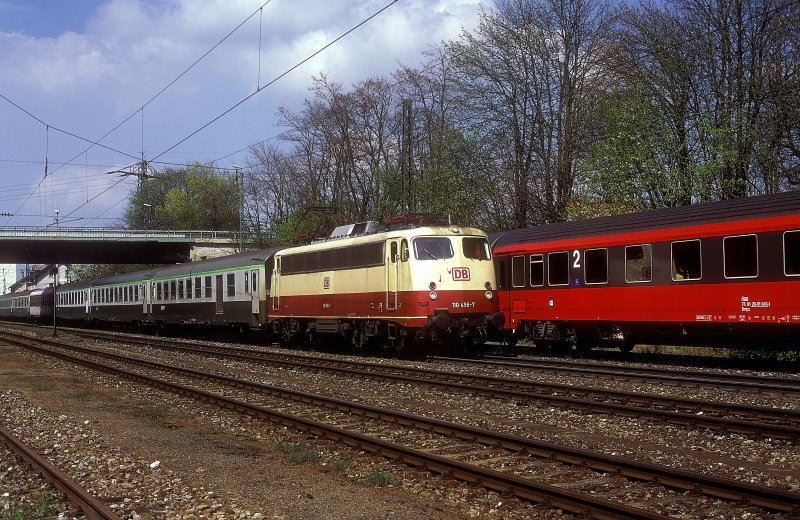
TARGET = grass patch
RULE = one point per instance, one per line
(43, 508)
(45, 505)
(81, 395)
(152, 411)
(42, 385)
(298, 453)
(16, 514)
(379, 478)
(340, 465)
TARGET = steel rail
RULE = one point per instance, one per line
(552, 393)
(778, 384)
(91, 506)
(527, 489)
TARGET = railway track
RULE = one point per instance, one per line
(676, 376)
(750, 420)
(761, 496)
(506, 483)
(92, 508)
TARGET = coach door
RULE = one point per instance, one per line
(255, 291)
(146, 290)
(392, 273)
(220, 291)
(276, 285)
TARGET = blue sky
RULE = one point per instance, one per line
(83, 67)
(45, 18)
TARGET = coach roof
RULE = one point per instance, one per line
(712, 212)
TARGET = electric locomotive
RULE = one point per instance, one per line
(398, 285)
(718, 274)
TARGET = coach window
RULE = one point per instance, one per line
(246, 282)
(639, 263)
(537, 270)
(476, 248)
(741, 256)
(518, 271)
(791, 253)
(686, 260)
(596, 266)
(231, 285)
(432, 248)
(558, 268)
(158, 291)
(207, 283)
(173, 290)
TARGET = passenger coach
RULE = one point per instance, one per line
(721, 274)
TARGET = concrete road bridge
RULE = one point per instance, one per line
(68, 245)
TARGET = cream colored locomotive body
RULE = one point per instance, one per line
(433, 282)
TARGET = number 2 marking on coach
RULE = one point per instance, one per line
(577, 256)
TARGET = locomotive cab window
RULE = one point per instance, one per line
(537, 270)
(558, 268)
(639, 263)
(476, 248)
(686, 260)
(432, 248)
(596, 266)
(518, 271)
(791, 253)
(741, 256)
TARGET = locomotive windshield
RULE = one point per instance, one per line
(432, 248)
(476, 248)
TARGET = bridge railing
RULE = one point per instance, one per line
(33, 232)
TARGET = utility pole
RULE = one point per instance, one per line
(406, 174)
(240, 182)
(55, 299)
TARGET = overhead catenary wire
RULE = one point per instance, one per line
(153, 98)
(279, 77)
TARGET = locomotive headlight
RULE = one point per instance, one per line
(489, 295)
(488, 286)
(432, 286)
(432, 295)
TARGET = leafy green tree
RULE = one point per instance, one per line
(197, 197)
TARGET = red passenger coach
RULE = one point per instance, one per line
(370, 283)
(717, 274)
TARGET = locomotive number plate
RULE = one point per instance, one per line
(463, 305)
(460, 274)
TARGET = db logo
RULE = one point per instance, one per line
(326, 282)
(461, 274)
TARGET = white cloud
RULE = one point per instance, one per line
(88, 81)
